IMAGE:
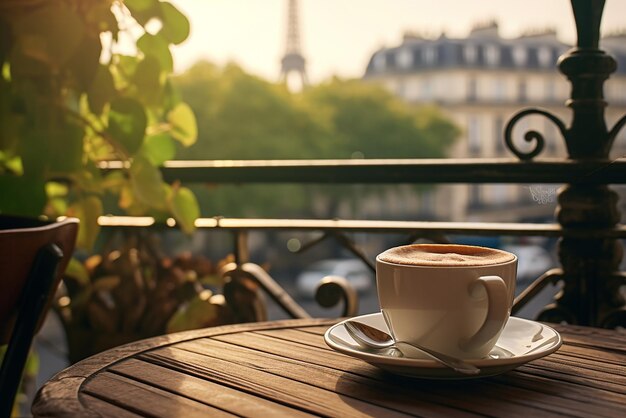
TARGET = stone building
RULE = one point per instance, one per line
(480, 81)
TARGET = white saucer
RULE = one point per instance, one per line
(521, 341)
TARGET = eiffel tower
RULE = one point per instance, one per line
(293, 61)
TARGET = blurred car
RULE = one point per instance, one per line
(354, 271)
(533, 261)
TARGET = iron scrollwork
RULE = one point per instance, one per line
(532, 135)
(615, 130)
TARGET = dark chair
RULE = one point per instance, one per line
(33, 255)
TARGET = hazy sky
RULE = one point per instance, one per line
(339, 36)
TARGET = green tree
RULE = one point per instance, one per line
(369, 122)
(241, 116)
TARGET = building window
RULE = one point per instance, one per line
(405, 58)
(430, 54)
(499, 89)
(380, 61)
(472, 90)
(521, 91)
(544, 56)
(520, 55)
(473, 135)
(470, 52)
(492, 55)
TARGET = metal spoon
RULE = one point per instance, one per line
(374, 338)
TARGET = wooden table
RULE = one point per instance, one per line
(285, 369)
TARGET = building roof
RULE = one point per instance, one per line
(483, 49)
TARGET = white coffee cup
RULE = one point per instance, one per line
(454, 299)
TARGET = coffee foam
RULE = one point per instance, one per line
(450, 255)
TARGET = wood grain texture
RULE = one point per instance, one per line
(285, 369)
(147, 400)
(107, 409)
(59, 397)
(203, 390)
(371, 390)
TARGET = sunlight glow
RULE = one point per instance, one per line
(339, 36)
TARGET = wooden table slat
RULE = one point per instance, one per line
(106, 408)
(595, 353)
(292, 350)
(202, 390)
(470, 402)
(565, 390)
(296, 336)
(286, 391)
(551, 372)
(317, 330)
(380, 392)
(597, 340)
(615, 371)
(147, 400)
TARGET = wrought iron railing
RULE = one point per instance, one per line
(587, 214)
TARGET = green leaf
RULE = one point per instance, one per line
(88, 209)
(127, 65)
(57, 206)
(31, 368)
(143, 10)
(185, 208)
(147, 183)
(158, 47)
(102, 90)
(10, 122)
(50, 33)
(22, 195)
(5, 41)
(127, 123)
(14, 165)
(158, 148)
(77, 271)
(141, 4)
(57, 199)
(54, 189)
(175, 25)
(183, 121)
(89, 178)
(84, 63)
(35, 145)
(171, 96)
(199, 313)
(114, 181)
(148, 80)
(65, 148)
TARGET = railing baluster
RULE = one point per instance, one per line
(591, 295)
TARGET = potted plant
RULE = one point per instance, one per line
(71, 100)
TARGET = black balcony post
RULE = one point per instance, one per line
(591, 282)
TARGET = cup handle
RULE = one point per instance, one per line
(497, 312)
